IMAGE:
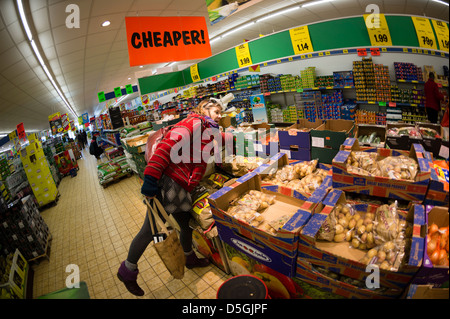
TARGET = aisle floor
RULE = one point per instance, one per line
(92, 227)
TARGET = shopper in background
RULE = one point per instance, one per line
(432, 99)
(84, 136)
(171, 184)
(80, 139)
(94, 149)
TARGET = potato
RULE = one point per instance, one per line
(352, 223)
(357, 217)
(381, 256)
(385, 265)
(388, 246)
(361, 229)
(359, 223)
(339, 238)
(367, 221)
(348, 236)
(339, 229)
(369, 227)
(369, 238)
(372, 253)
(355, 243)
(362, 246)
(348, 216)
(343, 222)
(364, 237)
(345, 209)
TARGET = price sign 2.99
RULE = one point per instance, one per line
(301, 41)
(378, 30)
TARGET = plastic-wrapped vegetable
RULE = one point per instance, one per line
(386, 223)
(388, 256)
(398, 167)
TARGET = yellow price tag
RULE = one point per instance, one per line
(378, 30)
(441, 30)
(194, 73)
(12, 135)
(301, 41)
(424, 33)
(243, 55)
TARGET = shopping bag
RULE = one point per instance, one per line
(167, 243)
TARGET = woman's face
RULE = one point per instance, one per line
(214, 113)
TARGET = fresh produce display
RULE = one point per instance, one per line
(382, 233)
(437, 245)
(369, 139)
(404, 131)
(302, 177)
(249, 208)
(393, 167)
(429, 132)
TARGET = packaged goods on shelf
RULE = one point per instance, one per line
(364, 78)
(331, 106)
(308, 102)
(407, 71)
(113, 170)
(371, 135)
(348, 111)
(324, 242)
(343, 79)
(308, 77)
(13, 276)
(324, 81)
(285, 214)
(382, 82)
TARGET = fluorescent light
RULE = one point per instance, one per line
(170, 64)
(441, 2)
(39, 57)
(106, 23)
(24, 20)
(238, 28)
(315, 2)
(141, 66)
(278, 13)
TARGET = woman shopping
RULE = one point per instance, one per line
(172, 172)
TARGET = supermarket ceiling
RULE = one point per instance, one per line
(86, 60)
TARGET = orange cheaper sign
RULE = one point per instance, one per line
(166, 39)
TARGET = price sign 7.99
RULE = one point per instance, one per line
(378, 29)
(301, 41)
(424, 32)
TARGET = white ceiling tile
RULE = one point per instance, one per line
(8, 10)
(5, 40)
(62, 33)
(36, 5)
(71, 46)
(11, 56)
(41, 20)
(103, 7)
(16, 31)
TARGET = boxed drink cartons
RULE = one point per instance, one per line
(370, 184)
(275, 249)
(431, 272)
(438, 188)
(339, 257)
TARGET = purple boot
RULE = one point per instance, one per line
(192, 261)
(129, 277)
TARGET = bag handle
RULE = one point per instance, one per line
(154, 208)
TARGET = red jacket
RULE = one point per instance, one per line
(188, 139)
(432, 95)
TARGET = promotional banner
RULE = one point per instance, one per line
(219, 10)
(21, 131)
(65, 122)
(85, 118)
(166, 39)
(259, 109)
(55, 123)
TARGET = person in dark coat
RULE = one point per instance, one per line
(94, 149)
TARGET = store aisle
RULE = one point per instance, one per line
(93, 227)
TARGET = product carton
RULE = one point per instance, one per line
(426, 292)
(331, 280)
(438, 189)
(429, 273)
(367, 129)
(277, 251)
(245, 141)
(332, 134)
(340, 258)
(402, 142)
(298, 140)
(383, 186)
(279, 161)
(432, 143)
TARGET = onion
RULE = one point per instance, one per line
(435, 257)
(431, 247)
(442, 257)
(432, 229)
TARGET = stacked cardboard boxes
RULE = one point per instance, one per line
(38, 172)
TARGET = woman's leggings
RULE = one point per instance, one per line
(145, 236)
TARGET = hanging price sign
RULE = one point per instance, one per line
(195, 76)
(243, 55)
(101, 96)
(118, 91)
(424, 33)
(129, 88)
(378, 29)
(441, 30)
(301, 41)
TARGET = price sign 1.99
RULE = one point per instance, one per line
(243, 55)
(441, 29)
(301, 41)
(378, 30)
(424, 32)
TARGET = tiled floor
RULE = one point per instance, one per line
(92, 227)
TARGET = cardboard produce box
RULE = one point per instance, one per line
(426, 292)
(383, 186)
(438, 188)
(401, 142)
(245, 140)
(277, 251)
(278, 162)
(332, 280)
(429, 273)
(367, 130)
(327, 139)
(339, 257)
(300, 140)
(431, 143)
